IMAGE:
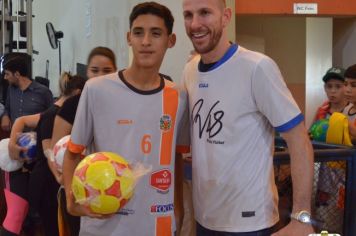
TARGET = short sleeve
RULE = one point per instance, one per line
(273, 98)
(82, 132)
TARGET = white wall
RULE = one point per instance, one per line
(282, 39)
(344, 42)
(90, 23)
(85, 24)
(318, 61)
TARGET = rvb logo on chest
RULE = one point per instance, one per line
(161, 180)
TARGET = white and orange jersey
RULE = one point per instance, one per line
(141, 126)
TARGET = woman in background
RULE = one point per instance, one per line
(42, 185)
(101, 61)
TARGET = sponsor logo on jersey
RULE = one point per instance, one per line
(161, 180)
(125, 122)
(165, 122)
(203, 85)
(162, 208)
(126, 212)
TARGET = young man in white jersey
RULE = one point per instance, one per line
(236, 99)
(137, 114)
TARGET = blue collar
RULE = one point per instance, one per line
(231, 51)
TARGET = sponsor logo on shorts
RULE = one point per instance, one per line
(162, 208)
(161, 180)
(165, 123)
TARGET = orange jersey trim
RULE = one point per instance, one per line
(183, 149)
(75, 148)
(170, 108)
(164, 226)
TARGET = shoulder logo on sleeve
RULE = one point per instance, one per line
(161, 180)
(165, 123)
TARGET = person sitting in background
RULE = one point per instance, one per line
(335, 91)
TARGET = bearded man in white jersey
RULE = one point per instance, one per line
(123, 113)
(237, 98)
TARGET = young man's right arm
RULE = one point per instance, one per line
(71, 160)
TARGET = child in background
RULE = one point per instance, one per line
(331, 174)
(335, 91)
(350, 111)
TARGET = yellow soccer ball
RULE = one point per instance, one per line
(104, 181)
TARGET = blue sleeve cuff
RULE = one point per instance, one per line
(290, 124)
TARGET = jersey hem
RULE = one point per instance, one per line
(242, 229)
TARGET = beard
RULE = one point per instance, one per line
(13, 84)
(212, 43)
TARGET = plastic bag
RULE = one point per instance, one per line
(105, 181)
(6, 163)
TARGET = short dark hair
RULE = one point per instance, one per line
(351, 72)
(155, 9)
(18, 61)
(102, 51)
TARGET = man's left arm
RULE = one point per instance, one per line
(302, 166)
